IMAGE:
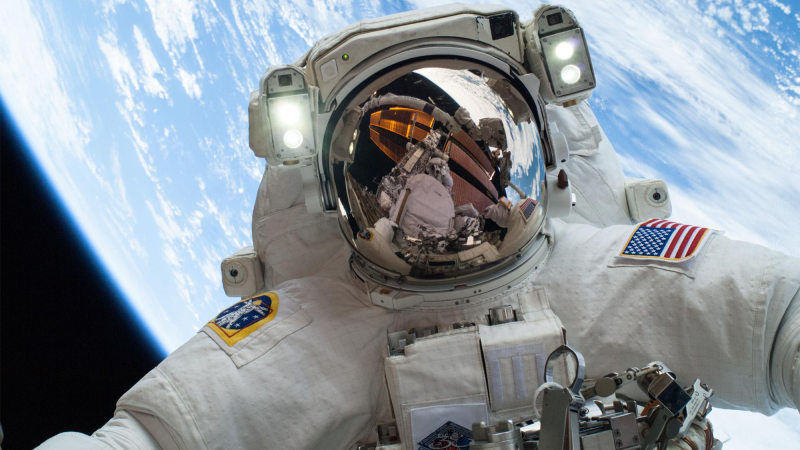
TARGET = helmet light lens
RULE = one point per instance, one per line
(564, 50)
(293, 138)
(289, 113)
(570, 74)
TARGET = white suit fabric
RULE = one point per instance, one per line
(323, 383)
(593, 168)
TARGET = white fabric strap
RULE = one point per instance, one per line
(494, 357)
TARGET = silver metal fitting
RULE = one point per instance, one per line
(503, 436)
(502, 314)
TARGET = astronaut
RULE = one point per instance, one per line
(443, 237)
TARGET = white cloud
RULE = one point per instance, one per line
(110, 6)
(173, 21)
(140, 145)
(725, 13)
(210, 265)
(252, 20)
(166, 218)
(177, 242)
(119, 190)
(121, 68)
(131, 110)
(195, 221)
(189, 82)
(223, 217)
(150, 66)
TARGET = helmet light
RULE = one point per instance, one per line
(290, 114)
(565, 53)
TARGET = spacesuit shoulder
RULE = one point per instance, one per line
(717, 258)
(727, 301)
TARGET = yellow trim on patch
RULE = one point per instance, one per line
(232, 336)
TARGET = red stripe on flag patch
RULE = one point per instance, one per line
(665, 240)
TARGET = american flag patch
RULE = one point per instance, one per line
(527, 207)
(666, 241)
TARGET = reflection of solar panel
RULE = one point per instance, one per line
(464, 192)
(403, 121)
(394, 121)
(408, 123)
(388, 146)
(475, 151)
(527, 207)
(470, 167)
(460, 157)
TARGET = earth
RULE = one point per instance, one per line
(136, 114)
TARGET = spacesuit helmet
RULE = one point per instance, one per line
(425, 134)
(443, 173)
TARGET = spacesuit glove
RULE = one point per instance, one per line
(699, 437)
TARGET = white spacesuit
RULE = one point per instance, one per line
(425, 140)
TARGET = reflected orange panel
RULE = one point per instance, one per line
(396, 121)
(464, 192)
(475, 151)
(387, 146)
(402, 121)
(375, 119)
(420, 134)
(460, 157)
(422, 117)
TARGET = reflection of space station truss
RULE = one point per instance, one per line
(470, 166)
(368, 211)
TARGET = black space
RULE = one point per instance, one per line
(69, 346)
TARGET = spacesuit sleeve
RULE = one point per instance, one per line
(122, 432)
(785, 358)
